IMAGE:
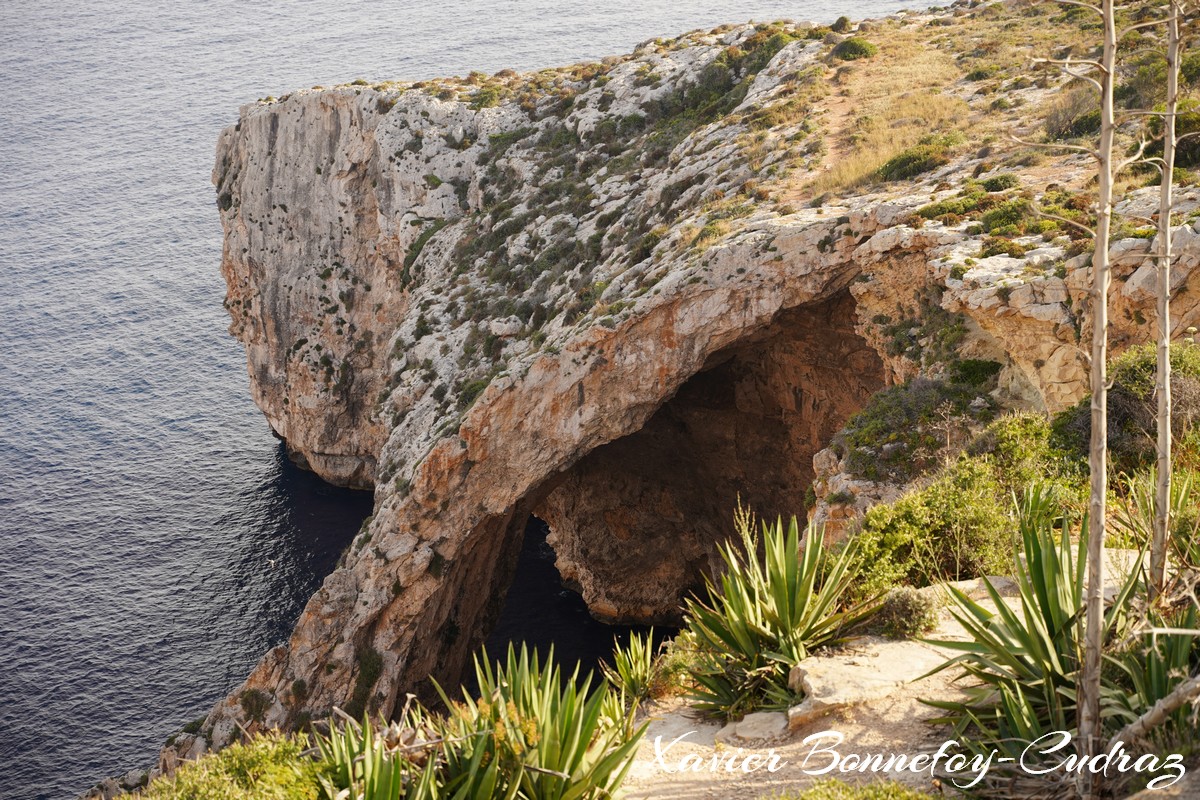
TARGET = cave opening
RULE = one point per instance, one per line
(541, 611)
(635, 523)
(618, 540)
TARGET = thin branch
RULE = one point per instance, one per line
(1133, 159)
(1055, 146)
(1183, 694)
(1080, 4)
(1138, 26)
(1072, 222)
(1066, 62)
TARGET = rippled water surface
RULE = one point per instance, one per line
(154, 541)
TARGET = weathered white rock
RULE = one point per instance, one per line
(758, 728)
(830, 683)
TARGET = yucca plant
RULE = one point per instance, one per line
(391, 763)
(1152, 666)
(1134, 517)
(1025, 662)
(765, 614)
(635, 669)
(534, 735)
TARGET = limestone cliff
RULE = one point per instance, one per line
(617, 295)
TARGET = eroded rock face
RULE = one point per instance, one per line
(544, 304)
(637, 521)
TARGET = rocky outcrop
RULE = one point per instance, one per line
(578, 294)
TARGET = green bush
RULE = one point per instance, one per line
(998, 246)
(955, 528)
(967, 202)
(998, 183)
(764, 616)
(854, 48)
(914, 161)
(1020, 447)
(974, 371)
(268, 767)
(1132, 409)
(906, 612)
(1010, 217)
(897, 436)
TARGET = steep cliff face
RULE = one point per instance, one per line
(588, 293)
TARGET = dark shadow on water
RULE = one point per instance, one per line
(315, 521)
(541, 612)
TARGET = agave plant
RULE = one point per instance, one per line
(1134, 518)
(635, 669)
(534, 735)
(766, 614)
(1161, 656)
(1025, 661)
(362, 763)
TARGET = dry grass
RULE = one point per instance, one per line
(915, 87)
(887, 103)
(887, 128)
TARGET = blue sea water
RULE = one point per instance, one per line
(154, 539)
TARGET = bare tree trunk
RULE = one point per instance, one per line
(1090, 730)
(1162, 501)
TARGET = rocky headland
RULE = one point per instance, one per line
(620, 295)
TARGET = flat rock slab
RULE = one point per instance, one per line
(758, 728)
(873, 671)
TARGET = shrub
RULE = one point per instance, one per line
(486, 97)
(953, 529)
(896, 437)
(1075, 113)
(470, 390)
(267, 767)
(840, 499)
(1012, 216)
(932, 152)
(840, 25)
(1132, 409)
(1019, 447)
(414, 251)
(254, 704)
(998, 183)
(973, 371)
(370, 667)
(767, 615)
(997, 246)
(1187, 124)
(906, 612)
(967, 202)
(854, 48)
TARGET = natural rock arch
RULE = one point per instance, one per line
(418, 592)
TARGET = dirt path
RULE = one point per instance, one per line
(894, 720)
